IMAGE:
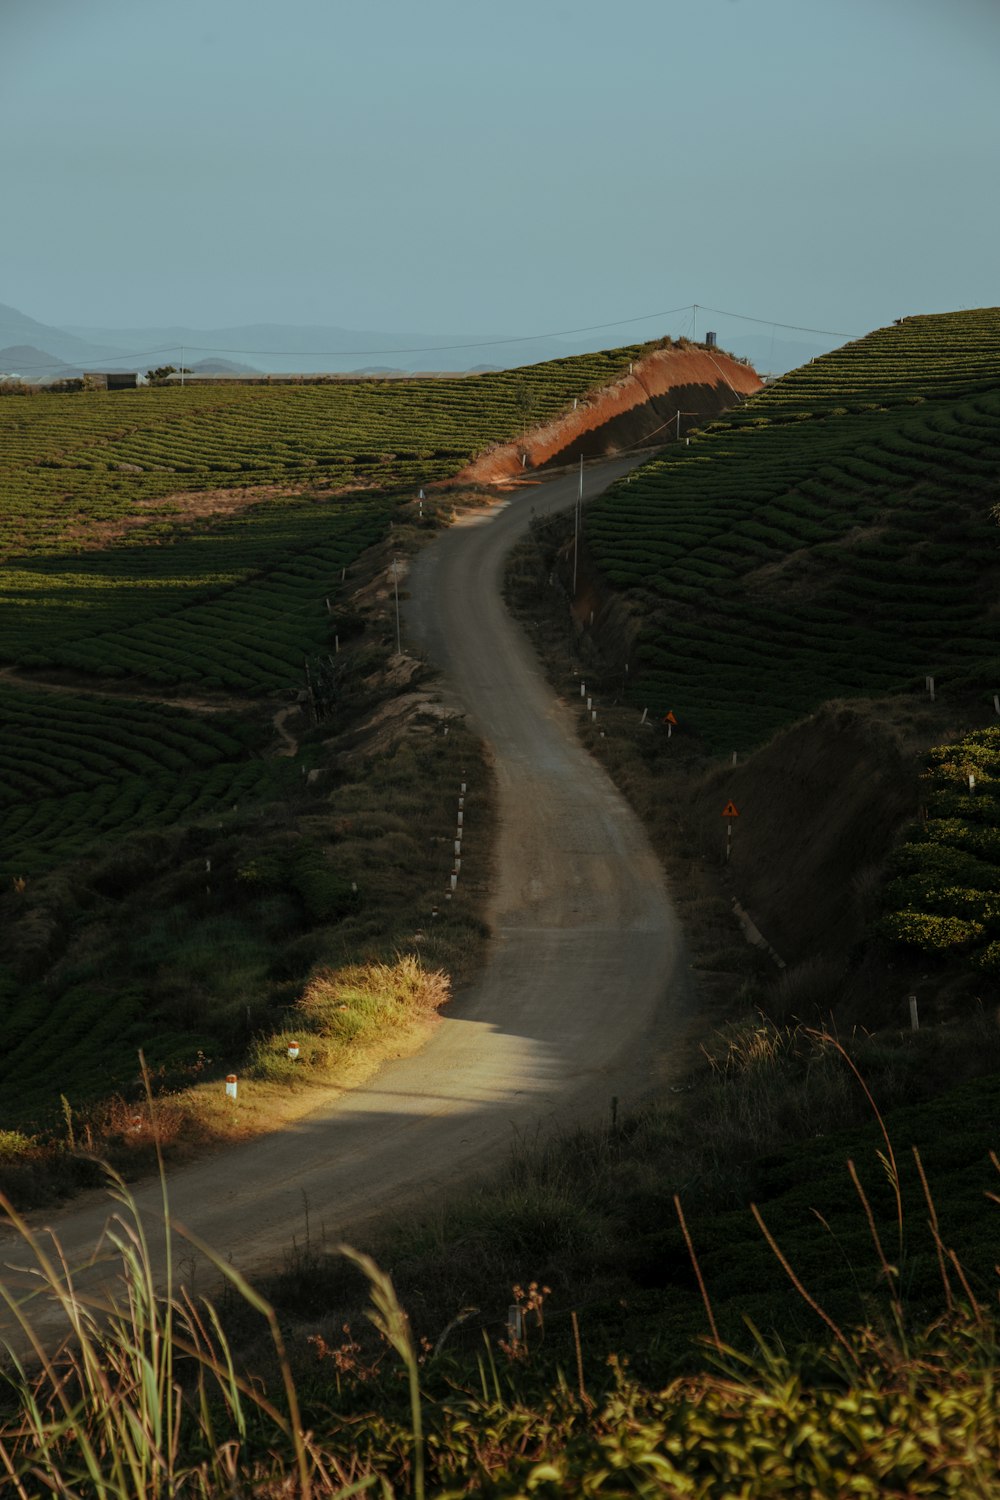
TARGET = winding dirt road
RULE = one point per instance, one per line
(582, 986)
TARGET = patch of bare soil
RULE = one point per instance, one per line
(80, 686)
(414, 712)
(185, 506)
(289, 743)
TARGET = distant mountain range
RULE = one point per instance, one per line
(40, 352)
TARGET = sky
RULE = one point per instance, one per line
(465, 166)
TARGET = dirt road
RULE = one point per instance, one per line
(583, 974)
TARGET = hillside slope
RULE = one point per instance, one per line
(75, 466)
(833, 536)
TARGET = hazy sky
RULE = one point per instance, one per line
(527, 166)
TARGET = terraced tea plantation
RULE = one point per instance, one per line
(943, 896)
(74, 461)
(832, 536)
(77, 770)
(234, 602)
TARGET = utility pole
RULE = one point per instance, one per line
(395, 589)
(182, 364)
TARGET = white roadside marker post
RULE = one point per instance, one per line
(230, 1085)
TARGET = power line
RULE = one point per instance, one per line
(526, 338)
(772, 323)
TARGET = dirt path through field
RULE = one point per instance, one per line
(199, 705)
(584, 985)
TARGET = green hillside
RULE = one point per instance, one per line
(943, 895)
(832, 536)
(73, 460)
(102, 574)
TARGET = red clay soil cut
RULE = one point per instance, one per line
(640, 407)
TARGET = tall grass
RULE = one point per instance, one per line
(144, 1398)
(134, 1393)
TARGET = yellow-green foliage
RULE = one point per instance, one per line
(341, 1009)
(14, 1146)
(943, 896)
(873, 1422)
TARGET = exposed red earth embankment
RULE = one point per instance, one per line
(641, 405)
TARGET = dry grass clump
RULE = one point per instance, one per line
(346, 1009)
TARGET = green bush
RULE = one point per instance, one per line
(933, 934)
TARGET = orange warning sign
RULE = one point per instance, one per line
(730, 810)
(668, 717)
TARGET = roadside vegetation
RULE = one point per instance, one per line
(684, 1316)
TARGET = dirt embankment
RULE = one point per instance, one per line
(641, 406)
(820, 807)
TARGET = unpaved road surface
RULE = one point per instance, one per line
(583, 982)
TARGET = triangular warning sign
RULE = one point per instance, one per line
(730, 810)
(668, 717)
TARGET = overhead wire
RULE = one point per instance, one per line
(523, 338)
(526, 338)
(832, 333)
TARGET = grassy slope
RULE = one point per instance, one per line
(831, 537)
